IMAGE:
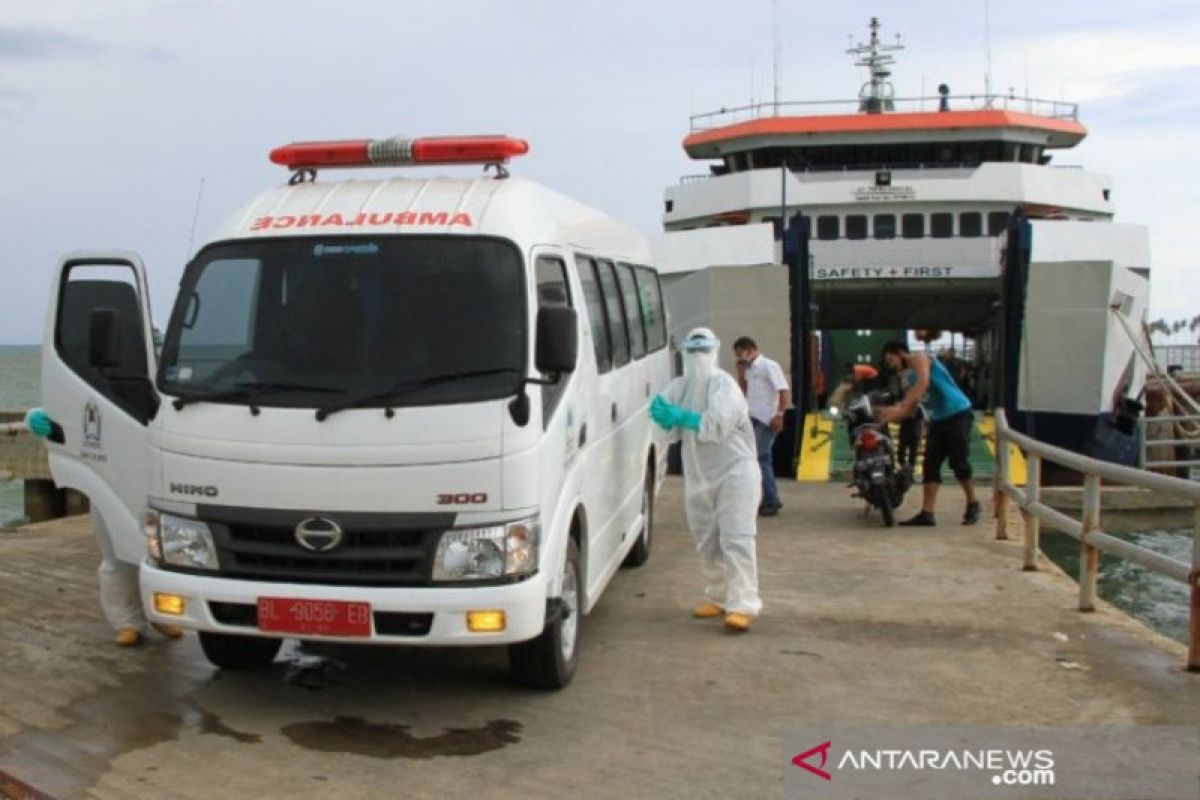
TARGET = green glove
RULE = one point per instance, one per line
(39, 423)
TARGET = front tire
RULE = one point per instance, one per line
(239, 653)
(549, 661)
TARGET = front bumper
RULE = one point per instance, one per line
(524, 605)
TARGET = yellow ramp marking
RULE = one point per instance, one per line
(817, 448)
(1016, 459)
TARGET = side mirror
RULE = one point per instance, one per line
(104, 338)
(557, 340)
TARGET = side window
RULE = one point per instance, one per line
(912, 226)
(552, 287)
(616, 319)
(856, 226)
(117, 367)
(828, 227)
(970, 223)
(941, 225)
(597, 319)
(885, 226)
(997, 222)
(552, 290)
(652, 308)
(633, 316)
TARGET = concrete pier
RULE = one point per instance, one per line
(862, 625)
(23, 457)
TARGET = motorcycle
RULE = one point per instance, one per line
(875, 476)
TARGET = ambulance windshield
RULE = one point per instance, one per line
(298, 322)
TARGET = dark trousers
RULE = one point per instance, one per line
(764, 440)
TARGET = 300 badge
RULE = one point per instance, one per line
(462, 499)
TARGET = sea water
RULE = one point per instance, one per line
(20, 383)
(1156, 600)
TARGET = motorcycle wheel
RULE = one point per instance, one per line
(883, 499)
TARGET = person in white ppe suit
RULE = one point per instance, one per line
(706, 412)
(119, 596)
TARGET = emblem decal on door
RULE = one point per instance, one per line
(91, 424)
(93, 441)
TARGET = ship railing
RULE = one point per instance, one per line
(1087, 531)
(1170, 432)
(1055, 109)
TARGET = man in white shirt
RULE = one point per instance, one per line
(768, 396)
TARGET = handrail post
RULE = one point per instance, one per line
(1089, 560)
(1000, 483)
(1033, 494)
(1193, 664)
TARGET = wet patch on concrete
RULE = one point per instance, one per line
(212, 724)
(356, 736)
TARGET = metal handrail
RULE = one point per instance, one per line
(1171, 422)
(1092, 539)
(13, 428)
(1056, 109)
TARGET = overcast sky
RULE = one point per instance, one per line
(114, 113)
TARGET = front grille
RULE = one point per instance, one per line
(387, 623)
(376, 550)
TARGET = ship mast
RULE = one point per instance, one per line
(876, 95)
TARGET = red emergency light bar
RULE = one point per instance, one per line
(399, 151)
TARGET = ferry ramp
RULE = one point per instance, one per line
(863, 625)
(826, 453)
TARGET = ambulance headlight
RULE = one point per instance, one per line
(185, 542)
(495, 551)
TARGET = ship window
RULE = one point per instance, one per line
(776, 226)
(970, 224)
(828, 227)
(856, 226)
(885, 226)
(941, 225)
(597, 319)
(997, 222)
(912, 226)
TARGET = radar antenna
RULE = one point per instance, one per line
(877, 94)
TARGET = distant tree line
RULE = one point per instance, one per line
(1172, 329)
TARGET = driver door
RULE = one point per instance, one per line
(97, 361)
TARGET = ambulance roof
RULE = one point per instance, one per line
(513, 208)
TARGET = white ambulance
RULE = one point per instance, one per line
(405, 411)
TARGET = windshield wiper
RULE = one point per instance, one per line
(247, 390)
(398, 390)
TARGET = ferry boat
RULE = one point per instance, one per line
(949, 213)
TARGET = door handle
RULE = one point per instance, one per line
(647, 389)
(583, 434)
(614, 412)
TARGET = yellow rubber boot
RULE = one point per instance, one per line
(127, 637)
(707, 611)
(737, 622)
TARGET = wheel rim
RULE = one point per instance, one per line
(570, 599)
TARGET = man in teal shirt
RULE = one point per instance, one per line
(950, 418)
